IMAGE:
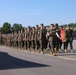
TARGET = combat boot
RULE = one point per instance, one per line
(59, 50)
(65, 51)
(72, 51)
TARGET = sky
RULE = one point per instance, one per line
(33, 12)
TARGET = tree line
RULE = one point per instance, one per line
(8, 28)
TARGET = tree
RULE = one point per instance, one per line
(17, 27)
(6, 28)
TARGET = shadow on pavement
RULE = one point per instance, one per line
(9, 62)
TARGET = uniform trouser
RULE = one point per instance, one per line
(8, 43)
(41, 45)
(51, 43)
(44, 44)
(28, 44)
(47, 44)
(64, 45)
(15, 44)
(0, 42)
(57, 43)
(20, 44)
(12, 43)
(33, 44)
(71, 42)
(60, 43)
(25, 44)
(37, 44)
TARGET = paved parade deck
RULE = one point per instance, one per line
(19, 62)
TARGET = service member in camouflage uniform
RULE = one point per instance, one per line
(0, 38)
(57, 38)
(42, 38)
(25, 38)
(12, 43)
(7, 38)
(50, 36)
(36, 38)
(19, 40)
(33, 39)
(16, 38)
(29, 38)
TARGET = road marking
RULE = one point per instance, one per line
(66, 58)
(62, 57)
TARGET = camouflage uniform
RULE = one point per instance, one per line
(0, 38)
(9, 40)
(58, 41)
(25, 38)
(22, 41)
(69, 37)
(33, 38)
(46, 41)
(42, 38)
(12, 43)
(28, 38)
(36, 38)
(51, 40)
(15, 40)
(19, 40)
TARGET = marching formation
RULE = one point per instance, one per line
(40, 39)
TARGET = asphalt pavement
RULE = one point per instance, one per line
(21, 62)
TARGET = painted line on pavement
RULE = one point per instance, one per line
(62, 57)
(66, 58)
